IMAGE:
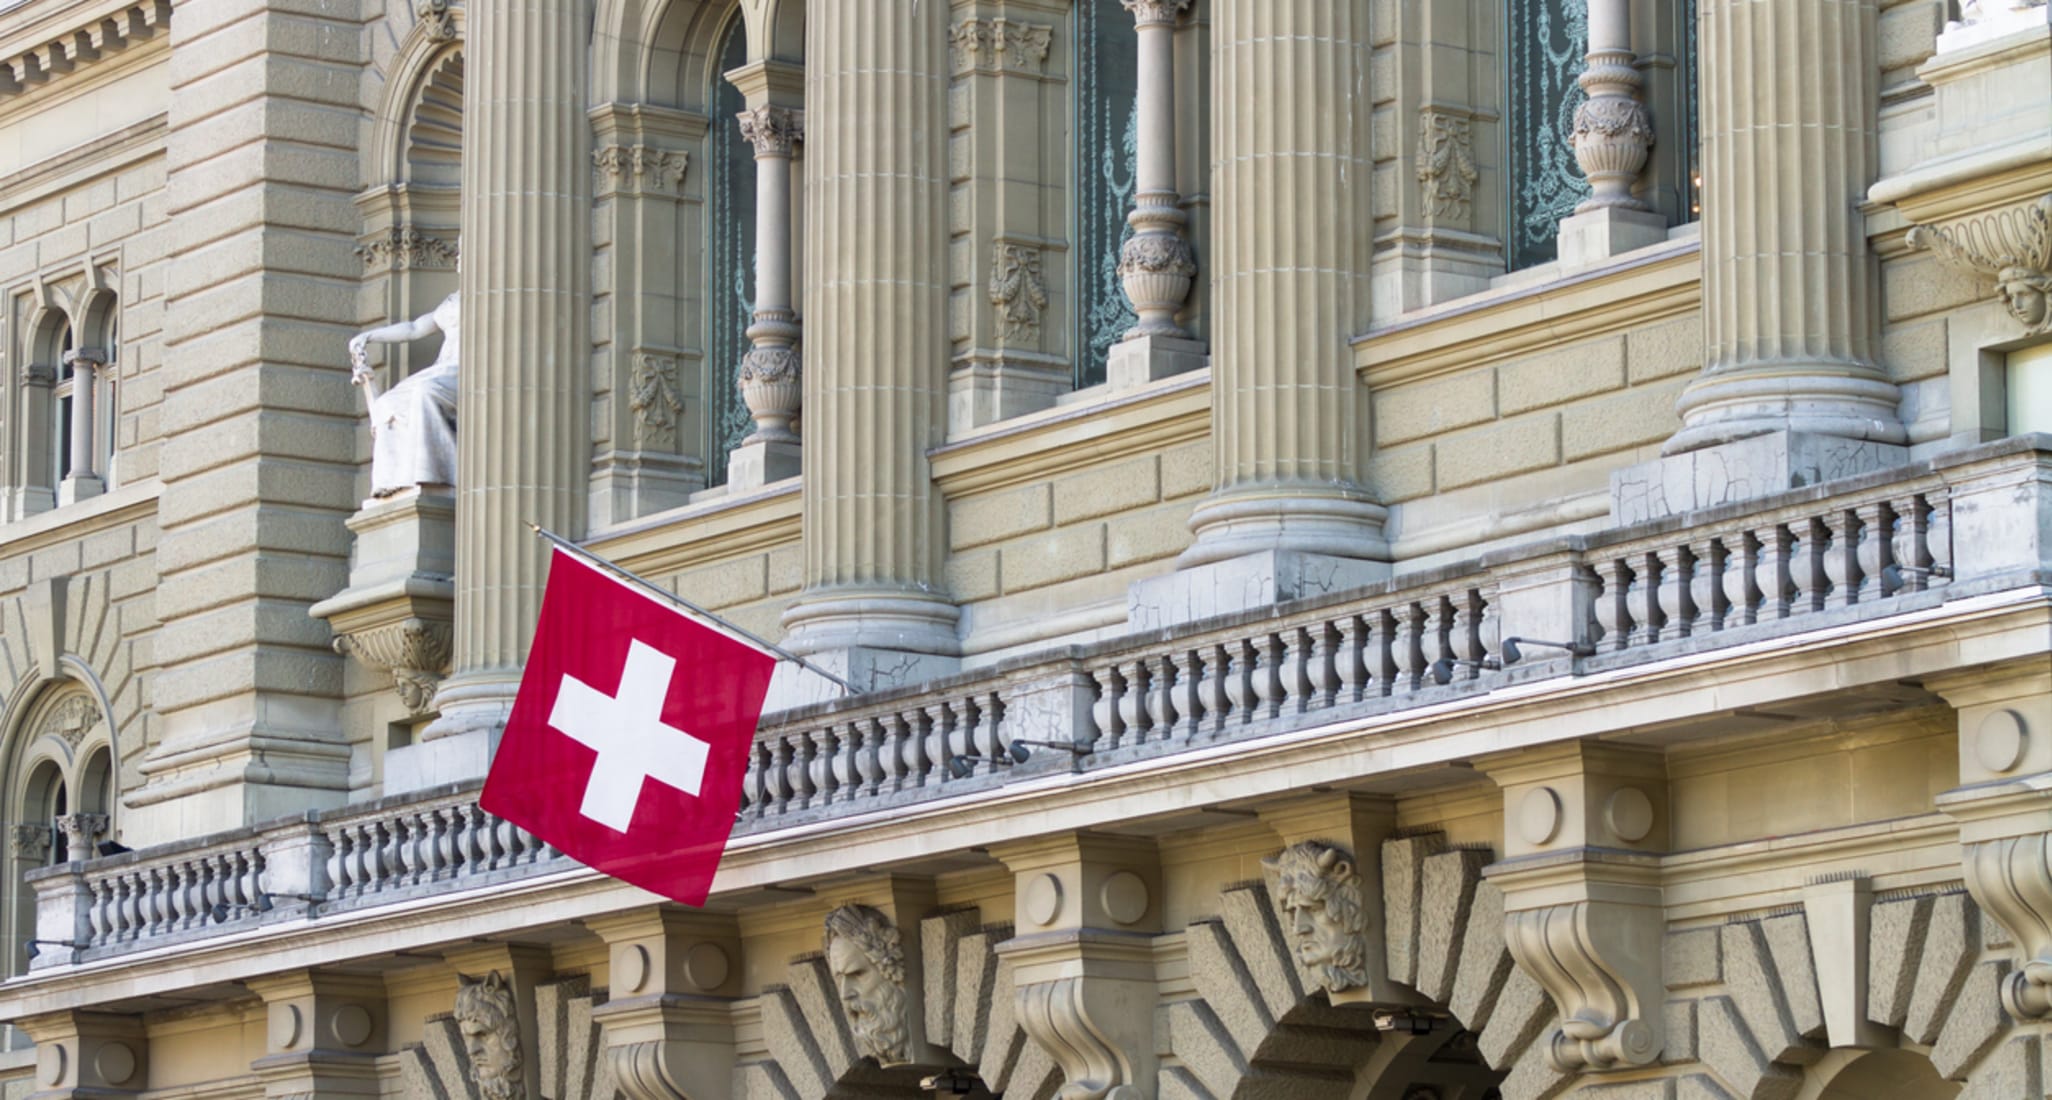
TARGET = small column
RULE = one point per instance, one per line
(1613, 135)
(1790, 310)
(1157, 264)
(876, 301)
(523, 443)
(83, 481)
(770, 378)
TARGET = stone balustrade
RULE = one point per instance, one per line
(1886, 543)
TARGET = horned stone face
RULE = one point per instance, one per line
(867, 963)
(491, 1034)
(1320, 896)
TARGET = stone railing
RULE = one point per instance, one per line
(1881, 544)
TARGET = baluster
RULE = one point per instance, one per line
(1907, 562)
(1807, 582)
(1938, 539)
(252, 877)
(409, 848)
(98, 922)
(962, 735)
(1267, 670)
(1378, 653)
(1671, 591)
(132, 909)
(778, 775)
(208, 887)
(1739, 578)
(161, 913)
(806, 791)
(937, 738)
(1161, 703)
(867, 737)
(1133, 701)
(450, 841)
(990, 725)
(222, 876)
(1438, 640)
(1473, 621)
(1407, 647)
(1105, 711)
(1613, 623)
(1642, 598)
(911, 748)
(1874, 554)
(1186, 669)
(1841, 568)
(1209, 668)
(1239, 684)
(1706, 567)
(755, 781)
(1350, 671)
(1774, 573)
(184, 880)
(1322, 673)
(829, 765)
(1294, 670)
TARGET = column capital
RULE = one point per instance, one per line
(774, 131)
(1156, 13)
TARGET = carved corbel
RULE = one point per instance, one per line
(1587, 925)
(2011, 879)
(2011, 245)
(416, 652)
(1087, 998)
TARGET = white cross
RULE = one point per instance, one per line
(628, 733)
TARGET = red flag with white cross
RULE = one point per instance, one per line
(631, 733)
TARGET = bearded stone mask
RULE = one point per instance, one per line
(490, 1024)
(867, 962)
(1319, 894)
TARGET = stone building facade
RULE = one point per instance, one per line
(1414, 551)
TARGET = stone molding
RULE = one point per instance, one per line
(1446, 163)
(405, 248)
(2011, 245)
(96, 32)
(1018, 290)
(641, 168)
(1000, 45)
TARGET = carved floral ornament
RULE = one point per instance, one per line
(1324, 914)
(417, 652)
(653, 399)
(2012, 245)
(642, 167)
(71, 719)
(437, 19)
(866, 958)
(1000, 45)
(773, 131)
(1446, 163)
(1017, 289)
(403, 247)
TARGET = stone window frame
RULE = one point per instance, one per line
(57, 767)
(82, 317)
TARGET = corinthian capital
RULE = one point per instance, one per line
(1155, 13)
(774, 131)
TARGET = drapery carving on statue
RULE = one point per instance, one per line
(491, 1034)
(1320, 897)
(1262, 1021)
(867, 961)
(413, 425)
(571, 1059)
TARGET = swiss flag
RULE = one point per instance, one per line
(631, 733)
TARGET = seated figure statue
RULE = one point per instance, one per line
(413, 425)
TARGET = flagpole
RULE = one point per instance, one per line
(660, 592)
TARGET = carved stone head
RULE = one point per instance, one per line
(867, 962)
(1320, 896)
(491, 1034)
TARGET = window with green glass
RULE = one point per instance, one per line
(1105, 129)
(730, 260)
(1544, 47)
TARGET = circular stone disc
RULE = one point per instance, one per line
(1124, 897)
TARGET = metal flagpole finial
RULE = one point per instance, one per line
(665, 594)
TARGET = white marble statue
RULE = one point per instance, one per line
(413, 425)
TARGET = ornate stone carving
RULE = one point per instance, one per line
(771, 381)
(867, 961)
(1156, 12)
(403, 247)
(1017, 290)
(82, 834)
(437, 19)
(654, 402)
(1319, 893)
(71, 718)
(417, 652)
(2011, 878)
(1446, 163)
(642, 167)
(30, 843)
(1613, 132)
(773, 131)
(38, 374)
(1001, 45)
(1157, 267)
(1056, 1014)
(2012, 245)
(1604, 1023)
(491, 1033)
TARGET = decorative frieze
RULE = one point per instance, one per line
(2010, 244)
(654, 402)
(437, 19)
(402, 248)
(642, 168)
(1000, 45)
(1446, 163)
(1017, 290)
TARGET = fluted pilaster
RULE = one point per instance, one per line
(875, 313)
(1789, 149)
(1289, 282)
(522, 427)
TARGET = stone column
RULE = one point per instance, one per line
(1789, 297)
(876, 302)
(1157, 265)
(525, 406)
(770, 377)
(1613, 136)
(1290, 290)
(83, 481)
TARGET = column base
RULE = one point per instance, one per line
(1846, 399)
(1316, 519)
(1261, 579)
(74, 489)
(868, 669)
(460, 742)
(755, 464)
(1142, 359)
(1743, 469)
(1590, 238)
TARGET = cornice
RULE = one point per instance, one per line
(47, 41)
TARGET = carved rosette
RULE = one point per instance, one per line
(1000, 45)
(417, 653)
(1446, 163)
(773, 131)
(437, 19)
(1613, 132)
(1018, 290)
(2011, 879)
(2011, 245)
(641, 168)
(652, 397)
(403, 248)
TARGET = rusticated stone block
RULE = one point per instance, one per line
(1558, 377)
(1951, 945)
(1976, 1022)
(1692, 957)
(1113, 488)
(1447, 895)
(978, 521)
(1403, 885)
(1895, 940)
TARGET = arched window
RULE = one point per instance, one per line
(63, 793)
(1105, 131)
(730, 257)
